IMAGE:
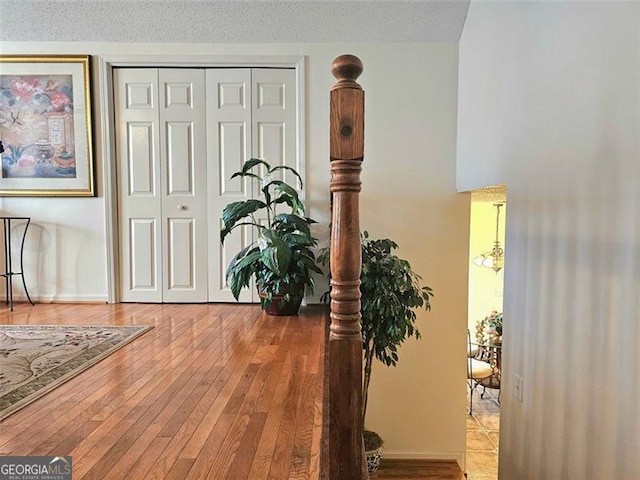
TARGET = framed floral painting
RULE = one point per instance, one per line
(45, 126)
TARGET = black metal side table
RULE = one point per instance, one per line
(8, 269)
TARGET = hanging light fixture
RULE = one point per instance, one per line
(494, 258)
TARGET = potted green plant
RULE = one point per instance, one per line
(281, 257)
(489, 329)
(390, 295)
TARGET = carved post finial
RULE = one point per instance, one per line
(346, 69)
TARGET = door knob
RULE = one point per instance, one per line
(183, 207)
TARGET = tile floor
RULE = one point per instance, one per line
(483, 437)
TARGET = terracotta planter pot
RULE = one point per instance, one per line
(280, 307)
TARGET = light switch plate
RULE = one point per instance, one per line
(517, 388)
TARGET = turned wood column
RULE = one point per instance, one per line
(345, 337)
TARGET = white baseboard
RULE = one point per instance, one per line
(59, 299)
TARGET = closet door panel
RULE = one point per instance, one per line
(143, 272)
(184, 184)
(274, 121)
(229, 145)
(139, 206)
(274, 117)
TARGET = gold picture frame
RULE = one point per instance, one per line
(45, 126)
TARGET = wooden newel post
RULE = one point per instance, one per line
(345, 336)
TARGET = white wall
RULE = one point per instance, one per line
(64, 252)
(408, 194)
(549, 104)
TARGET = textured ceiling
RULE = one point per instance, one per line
(235, 21)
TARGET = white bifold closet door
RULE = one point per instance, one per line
(180, 135)
(162, 184)
(250, 113)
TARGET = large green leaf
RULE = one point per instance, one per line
(250, 175)
(288, 195)
(240, 269)
(297, 222)
(308, 263)
(277, 256)
(267, 193)
(299, 241)
(282, 256)
(269, 259)
(238, 281)
(248, 165)
(288, 190)
(252, 162)
(247, 260)
(236, 211)
(224, 232)
(290, 169)
(236, 258)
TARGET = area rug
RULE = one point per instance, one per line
(35, 359)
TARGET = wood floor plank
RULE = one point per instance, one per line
(238, 355)
(281, 457)
(300, 466)
(241, 466)
(56, 418)
(261, 464)
(240, 428)
(96, 444)
(137, 462)
(180, 469)
(104, 416)
(315, 467)
(78, 386)
(211, 447)
(420, 470)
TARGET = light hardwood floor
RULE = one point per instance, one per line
(212, 391)
(420, 470)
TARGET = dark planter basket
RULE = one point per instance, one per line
(280, 307)
(372, 450)
(373, 458)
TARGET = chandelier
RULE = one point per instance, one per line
(493, 259)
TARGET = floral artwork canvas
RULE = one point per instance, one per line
(45, 126)
(37, 126)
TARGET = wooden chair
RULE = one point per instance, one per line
(479, 369)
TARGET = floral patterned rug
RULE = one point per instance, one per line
(35, 359)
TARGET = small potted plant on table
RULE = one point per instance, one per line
(281, 257)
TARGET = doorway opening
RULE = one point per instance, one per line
(484, 322)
